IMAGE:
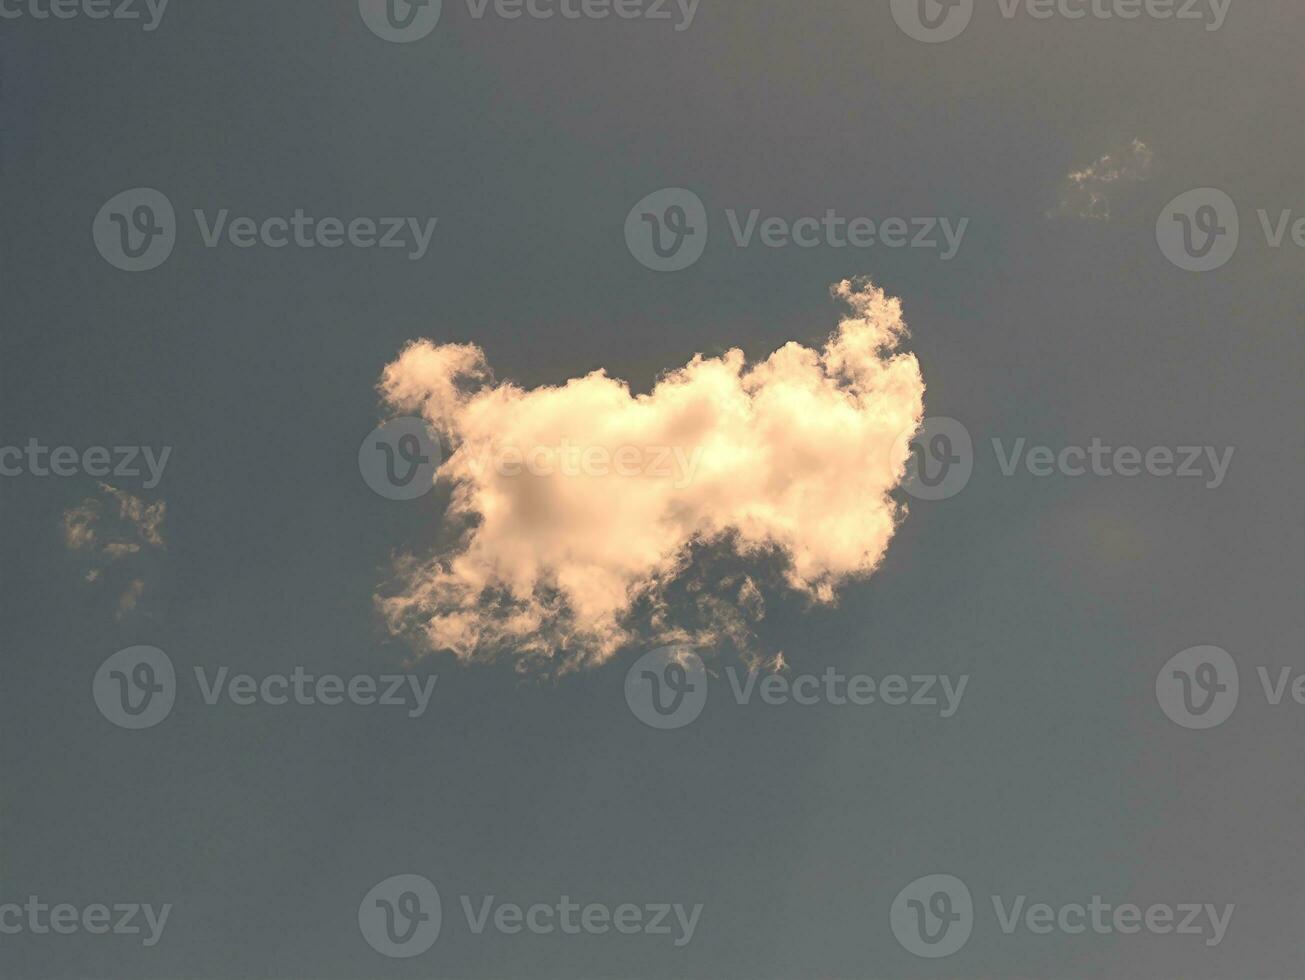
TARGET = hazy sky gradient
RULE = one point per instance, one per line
(796, 827)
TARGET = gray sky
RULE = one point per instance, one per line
(1059, 777)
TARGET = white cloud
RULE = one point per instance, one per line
(1087, 193)
(792, 458)
(130, 597)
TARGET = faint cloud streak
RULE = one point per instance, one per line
(1087, 193)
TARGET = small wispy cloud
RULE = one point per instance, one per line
(130, 597)
(112, 528)
(787, 463)
(1087, 193)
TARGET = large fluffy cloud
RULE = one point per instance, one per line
(579, 505)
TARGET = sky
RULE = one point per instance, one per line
(1092, 708)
